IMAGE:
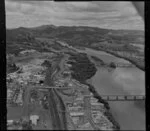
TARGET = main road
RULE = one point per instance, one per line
(54, 100)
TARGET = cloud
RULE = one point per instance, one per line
(115, 15)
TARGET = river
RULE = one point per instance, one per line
(121, 81)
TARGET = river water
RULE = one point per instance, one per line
(121, 81)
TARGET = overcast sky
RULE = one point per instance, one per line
(113, 15)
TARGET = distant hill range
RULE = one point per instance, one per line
(76, 33)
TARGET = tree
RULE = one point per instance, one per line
(26, 126)
(112, 64)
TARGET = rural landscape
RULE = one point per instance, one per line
(75, 78)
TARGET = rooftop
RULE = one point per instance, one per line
(76, 113)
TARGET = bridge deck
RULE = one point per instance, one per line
(122, 97)
(124, 65)
(107, 97)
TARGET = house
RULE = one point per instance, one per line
(76, 108)
(68, 65)
(73, 114)
(93, 100)
(27, 51)
(66, 72)
(97, 104)
(10, 122)
(34, 119)
(79, 99)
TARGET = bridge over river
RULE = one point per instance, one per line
(124, 65)
(107, 97)
(121, 97)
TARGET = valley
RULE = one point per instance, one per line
(56, 76)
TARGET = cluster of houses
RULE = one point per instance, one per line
(77, 110)
(31, 74)
(14, 94)
(18, 124)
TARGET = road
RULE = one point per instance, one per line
(26, 102)
(56, 123)
(54, 100)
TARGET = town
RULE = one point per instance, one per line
(29, 97)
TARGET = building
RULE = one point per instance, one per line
(93, 100)
(91, 94)
(67, 73)
(74, 114)
(97, 104)
(86, 126)
(76, 108)
(34, 119)
(68, 65)
(10, 122)
(70, 84)
(27, 51)
(75, 120)
(97, 107)
(78, 103)
(79, 99)
(19, 99)
(9, 93)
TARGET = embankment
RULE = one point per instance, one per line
(82, 70)
(138, 64)
(107, 112)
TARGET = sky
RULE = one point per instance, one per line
(103, 14)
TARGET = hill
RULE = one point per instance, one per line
(118, 42)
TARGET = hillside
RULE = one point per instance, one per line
(79, 32)
(122, 43)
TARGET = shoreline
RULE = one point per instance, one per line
(108, 114)
(78, 75)
(116, 55)
(119, 56)
(125, 58)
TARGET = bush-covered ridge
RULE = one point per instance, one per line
(82, 68)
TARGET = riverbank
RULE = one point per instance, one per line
(106, 105)
(123, 81)
(78, 66)
(137, 64)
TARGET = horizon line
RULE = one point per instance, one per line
(74, 26)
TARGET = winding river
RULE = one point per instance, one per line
(121, 81)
